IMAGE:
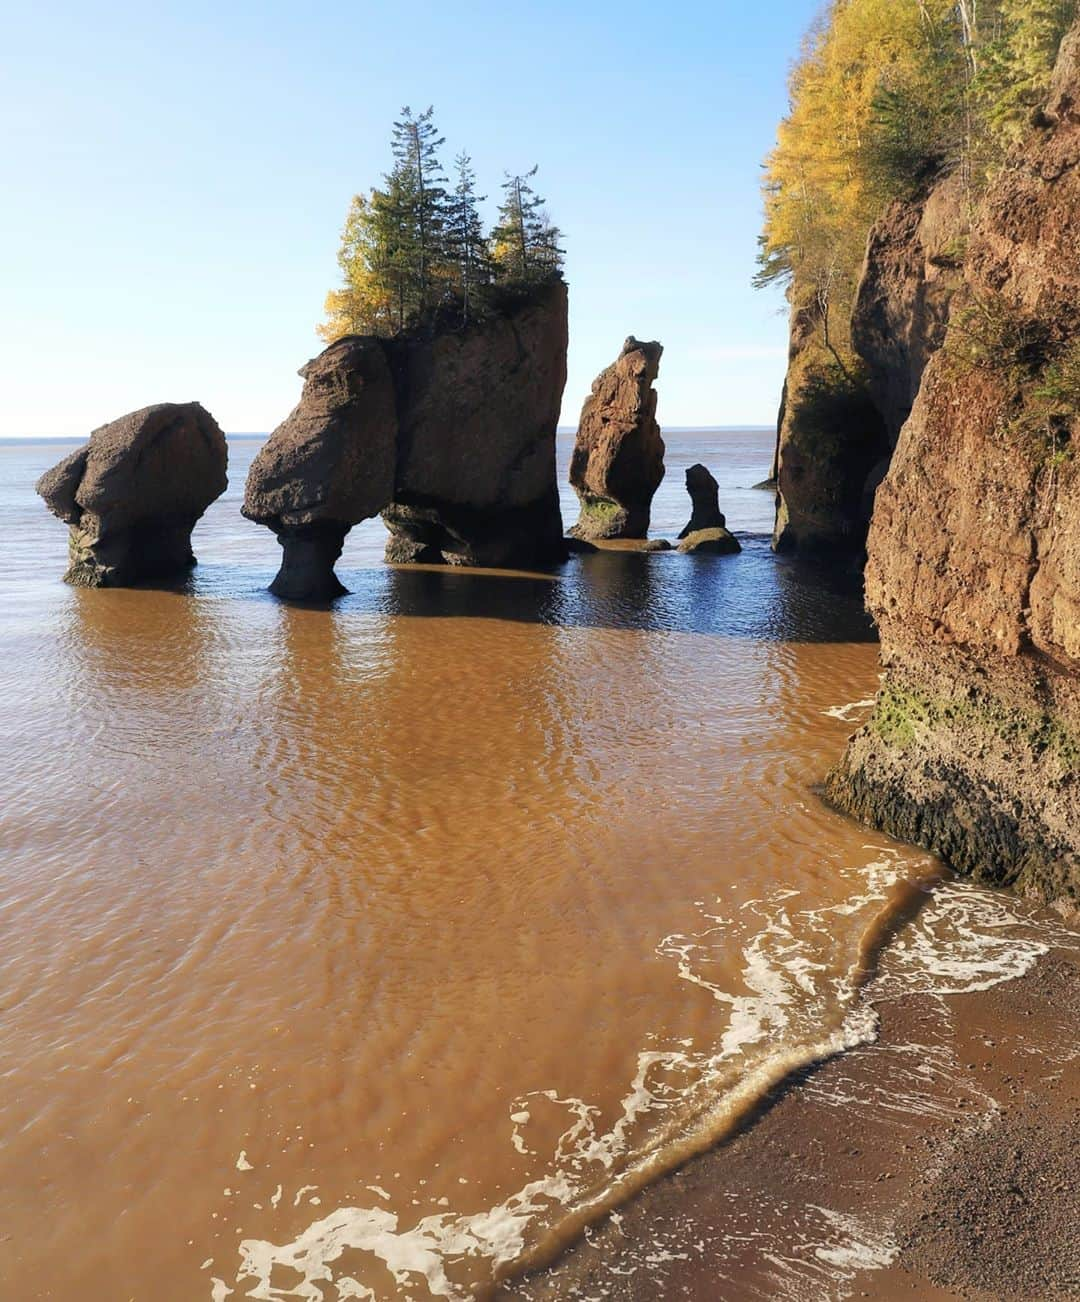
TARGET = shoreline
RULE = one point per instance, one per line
(936, 1163)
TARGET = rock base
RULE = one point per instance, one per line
(602, 518)
(710, 542)
(158, 549)
(985, 781)
(439, 533)
(309, 553)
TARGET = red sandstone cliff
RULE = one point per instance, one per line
(974, 551)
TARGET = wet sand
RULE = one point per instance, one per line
(971, 1192)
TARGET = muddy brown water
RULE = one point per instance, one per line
(372, 952)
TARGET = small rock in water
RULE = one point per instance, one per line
(704, 493)
(714, 542)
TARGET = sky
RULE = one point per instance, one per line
(175, 178)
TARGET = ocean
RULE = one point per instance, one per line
(374, 952)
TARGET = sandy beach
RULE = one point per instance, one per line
(937, 1163)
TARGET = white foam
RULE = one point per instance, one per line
(798, 1005)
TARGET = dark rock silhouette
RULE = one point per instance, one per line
(133, 493)
(447, 431)
(618, 459)
(704, 493)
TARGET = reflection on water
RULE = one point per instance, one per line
(364, 952)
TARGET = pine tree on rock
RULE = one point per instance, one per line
(416, 144)
(525, 244)
(412, 250)
(465, 242)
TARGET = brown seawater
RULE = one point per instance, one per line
(370, 952)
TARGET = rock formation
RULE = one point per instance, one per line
(973, 748)
(449, 432)
(328, 466)
(831, 437)
(476, 480)
(133, 493)
(913, 265)
(716, 541)
(704, 493)
(838, 431)
(618, 459)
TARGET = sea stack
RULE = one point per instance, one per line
(448, 431)
(133, 493)
(704, 493)
(618, 459)
(973, 748)
(478, 408)
(328, 466)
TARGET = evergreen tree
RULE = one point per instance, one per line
(397, 243)
(465, 243)
(416, 145)
(410, 247)
(525, 244)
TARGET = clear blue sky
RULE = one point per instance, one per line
(175, 178)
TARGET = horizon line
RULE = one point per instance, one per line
(263, 434)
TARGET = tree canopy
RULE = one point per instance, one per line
(885, 95)
(417, 245)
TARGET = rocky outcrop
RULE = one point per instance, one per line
(133, 493)
(476, 481)
(715, 541)
(830, 439)
(914, 258)
(838, 430)
(448, 432)
(973, 749)
(618, 458)
(328, 466)
(704, 493)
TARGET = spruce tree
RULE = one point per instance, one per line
(397, 243)
(525, 244)
(416, 144)
(465, 242)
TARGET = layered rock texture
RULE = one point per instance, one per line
(618, 458)
(133, 493)
(838, 429)
(973, 749)
(448, 432)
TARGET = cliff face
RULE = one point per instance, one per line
(837, 431)
(974, 552)
(912, 268)
(831, 436)
(448, 432)
(475, 480)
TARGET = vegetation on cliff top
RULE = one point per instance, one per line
(886, 95)
(416, 247)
